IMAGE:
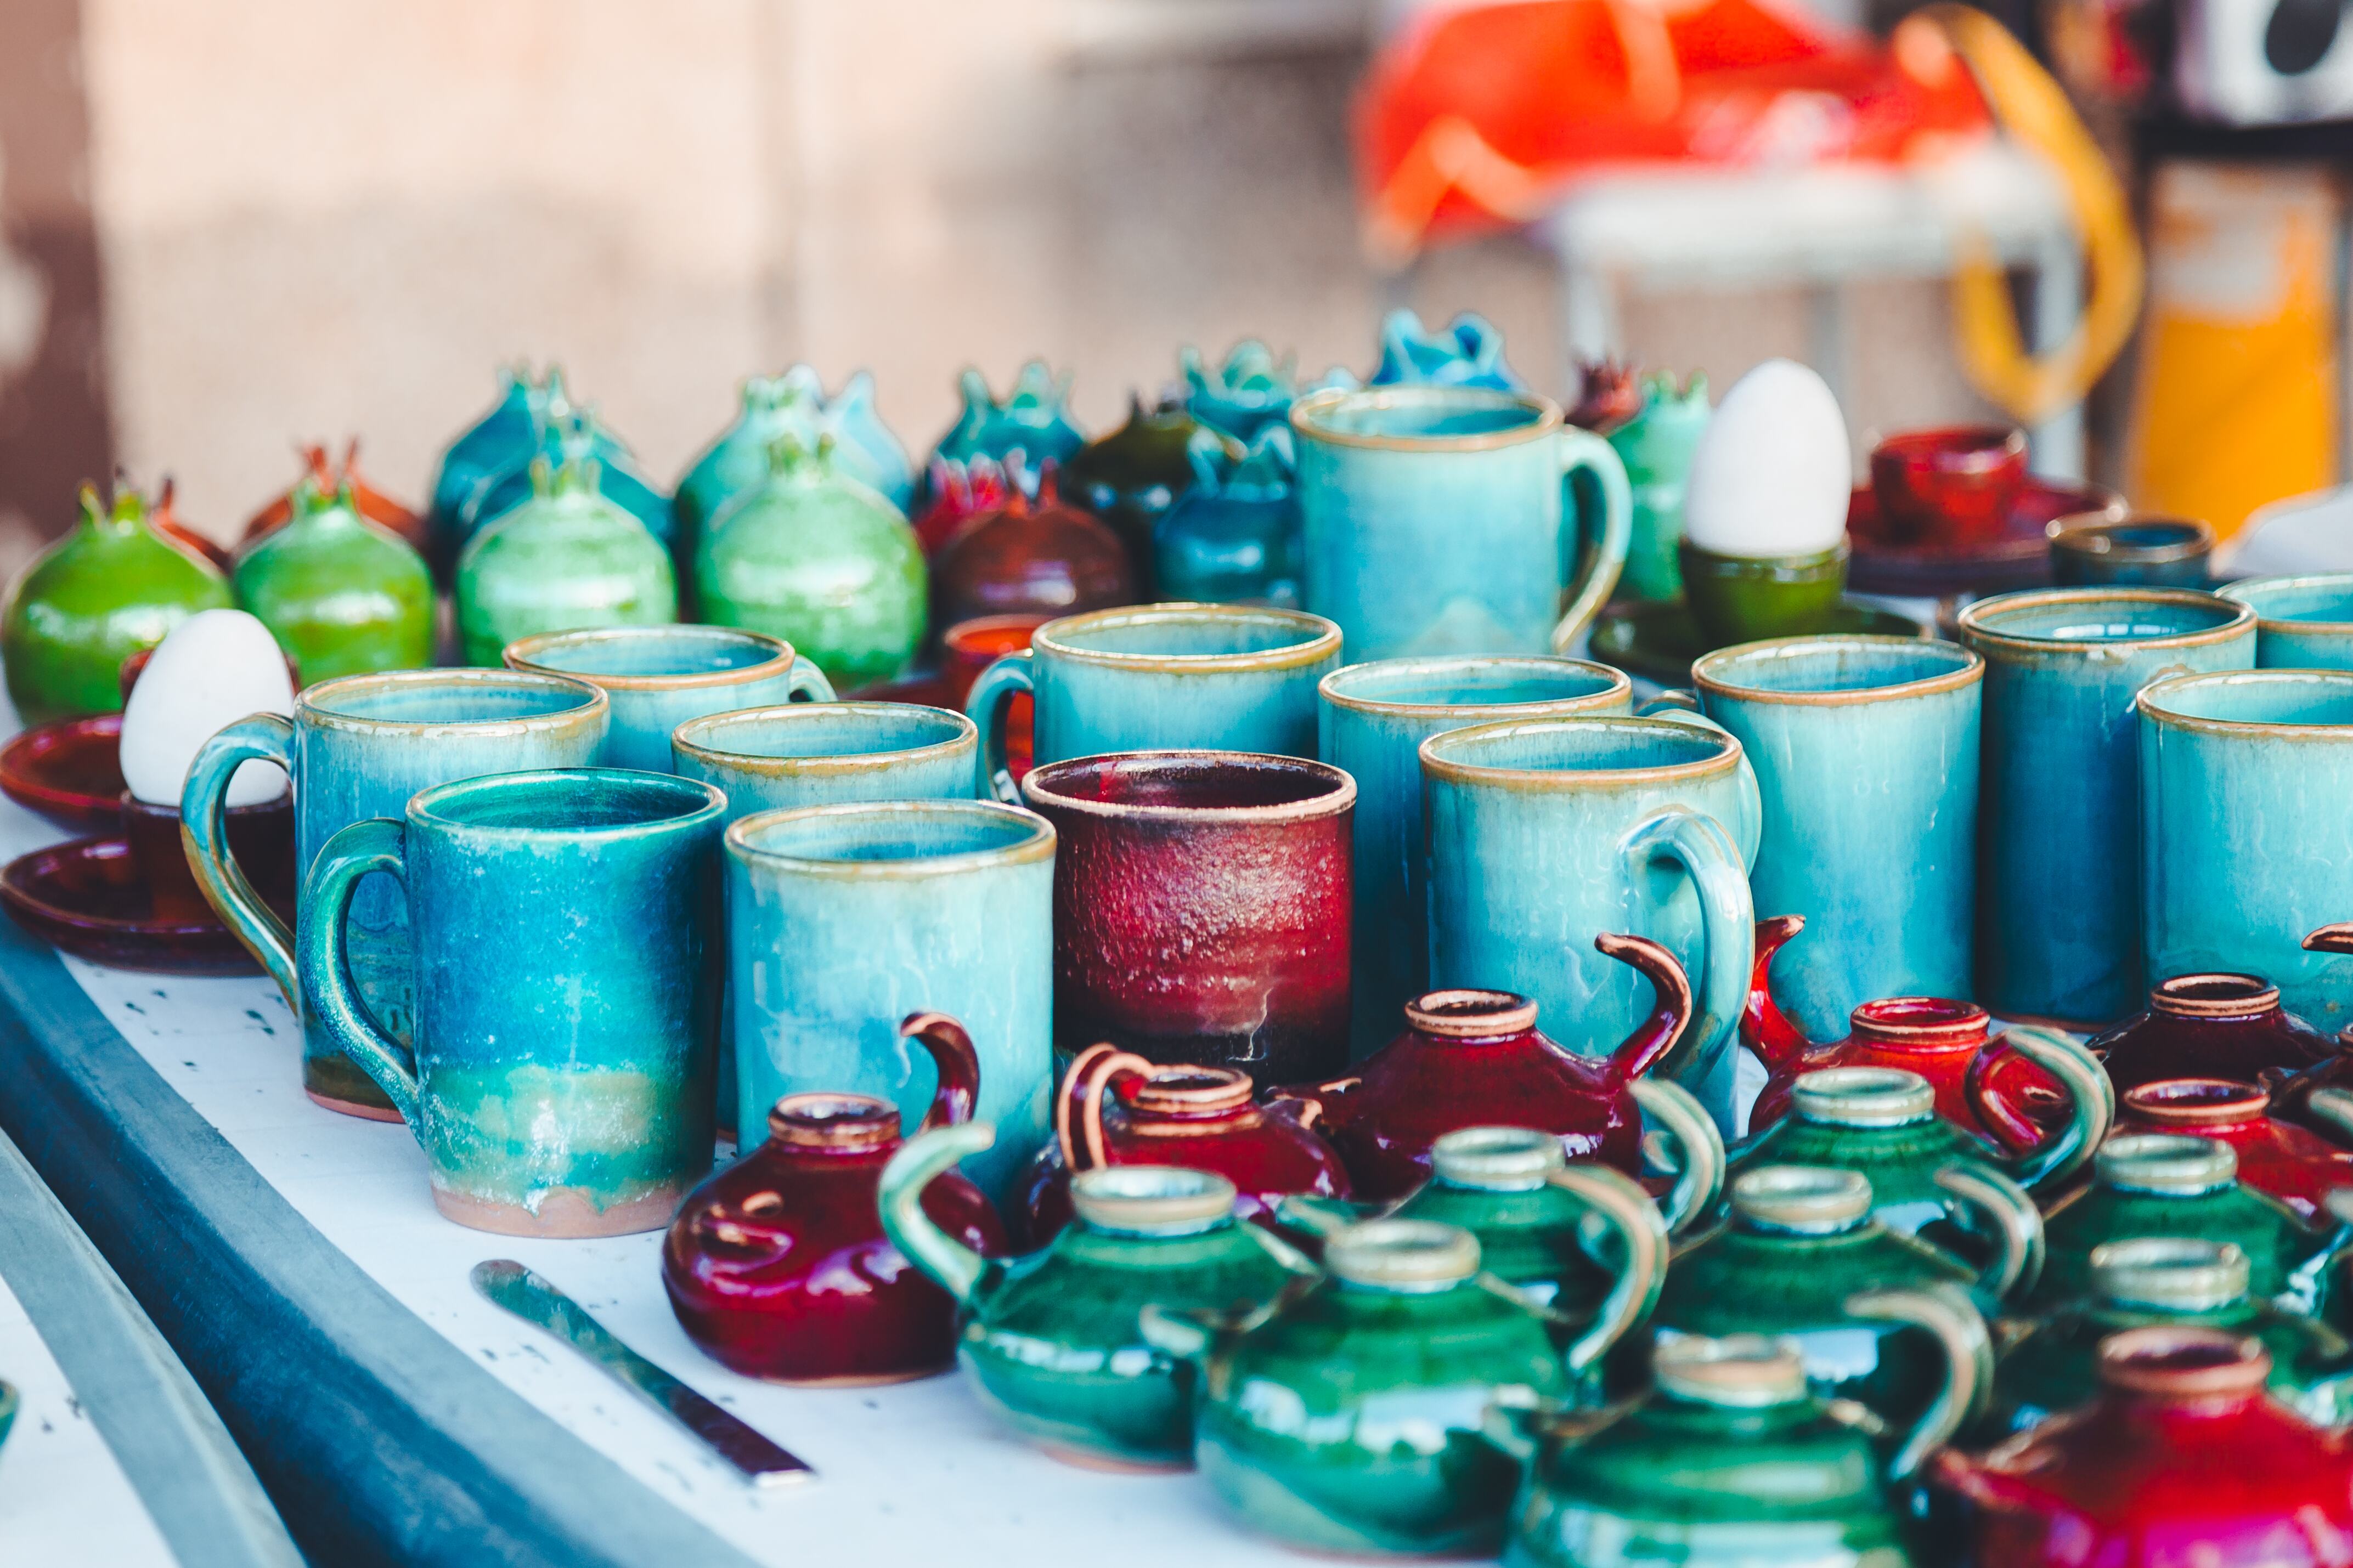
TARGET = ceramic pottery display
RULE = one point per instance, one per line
(1742, 598)
(1373, 721)
(1956, 484)
(2240, 776)
(2209, 1026)
(2164, 1281)
(1117, 1108)
(778, 1266)
(332, 478)
(2181, 1445)
(1467, 352)
(815, 557)
(2059, 927)
(956, 491)
(111, 588)
(342, 595)
(1053, 1341)
(565, 560)
(1033, 419)
(658, 678)
(843, 919)
(1229, 678)
(1042, 557)
(569, 435)
(2134, 551)
(1656, 446)
(508, 432)
(1302, 1423)
(1439, 519)
(1732, 1460)
(1201, 908)
(1131, 475)
(827, 753)
(359, 748)
(1542, 830)
(566, 1089)
(1252, 392)
(1233, 536)
(2301, 623)
(2292, 1163)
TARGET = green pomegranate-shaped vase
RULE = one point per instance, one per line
(342, 595)
(1656, 446)
(492, 443)
(567, 560)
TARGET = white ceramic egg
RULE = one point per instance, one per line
(1773, 470)
(212, 669)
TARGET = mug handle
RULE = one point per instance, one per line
(1682, 707)
(204, 834)
(379, 844)
(1583, 450)
(807, 683)
(991, 694)
(1719, 874)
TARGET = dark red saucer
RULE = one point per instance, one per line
(87, 898)
(2020, 558)
(70, 772)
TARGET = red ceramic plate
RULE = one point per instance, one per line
(87, 898)
(70, 771)
(2020, 558)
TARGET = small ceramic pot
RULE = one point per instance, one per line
(2297, 1166)
(260, 836)
(1034, 418)
(1201, 908)
(1744, 598)
(342, 595)
(1955, 485)
(2209, 1026)
(2138, 550)
(827, 753)
(1054, 1342)
(566, 558)
(1133, 476)
(968, 647)
(958, 491)
(778, 1267)
(1044, 556)
(2301, 623)
(1656, 446)
(1233, 537)
(656, 678)
(330, 477)
(568, 433)
(1250, 393)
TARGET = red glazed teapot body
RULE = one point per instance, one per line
(2210, 1026)
(2292, 1163)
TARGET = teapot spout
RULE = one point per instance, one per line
(2335, 938)
(1765, 1029)
(1656, 1037)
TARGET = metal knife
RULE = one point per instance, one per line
(505, 1283)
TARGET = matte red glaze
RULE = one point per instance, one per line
(371, 503)
(1042, 557)
(777, 1266)
(2209, 1026)
(87, 897)
(1117, 1108)
(1982, 1087)
(1474, 1058)
(260, 837)
(2292, 1163)
(1201, 903)
(70, 771)
(959, 491)
(970, 647)
(2180, 1461)
(1957, 483)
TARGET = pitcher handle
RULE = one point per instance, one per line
(986, 706)
(1583, 450)
(379, 844)
(1627, 1209)
(1961, 1334)
(204, 834)
(956, 1268)
(2003, 1208)
(2091, 1105)
(1719, 874)
(1699, 1148)
(807, 683)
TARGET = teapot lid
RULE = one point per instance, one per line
(2184, 1362)
(1152, 1200)
(2215, 995)
(1496, 1159)
(841, 1123)
(1739, 1371)
(1809, 1200)
(1189, 1090)
(2172, 1273)
(1864, 1097)
(1923, 1021)
(1406, 1255)
(1470, 1014)
(2166, 1162)
(2193, 1102)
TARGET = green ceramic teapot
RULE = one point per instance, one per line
(340, 593)
(1052, 1341)
(1656, 446)
(111, 588)
(567, 560)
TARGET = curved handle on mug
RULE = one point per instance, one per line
(954, 1266)
(204, 832)
(986, 706)
(1961, 1334)
(1682, 708)
(957, 1062)
(807, 683)
(2001, 1207)
(379, 844)
(1581, 450)
(1719, 873)
(2091, 1106)
(1627, 1209)
(1699, 1152)
(1092, 1072)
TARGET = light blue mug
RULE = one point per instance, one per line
(827, 753)
(1219, 678)
(2301, 623)
(1375, 718)
(655, 677)
(1453, 519)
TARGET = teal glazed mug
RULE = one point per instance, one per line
(1228, 677)
(843, 920)
(1547, 833)
(1456, 520)
(2059, 896)
(2246, 780)
(1375, 718)
(566, 966)
(2301, 623)
(1866, 756)
(827, 753)
(656, 678)
(358, 748)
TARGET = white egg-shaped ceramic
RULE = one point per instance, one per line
(1773, 470)
(212, 669)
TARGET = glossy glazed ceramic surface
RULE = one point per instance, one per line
(656, 678)
(2209, 1026)
(330, 477)
(2301, 623)
(1656, 446)
(1130, 476)
(1252, 392)
(1234, 533)
(1025, 556)
(1033, 418)
(827, 753)
(2134, 551)
(2294, 1164)
(567, 434)
(1956, 485)
(68, 770)
(342, 596)
(1742, 599)
(566, 559)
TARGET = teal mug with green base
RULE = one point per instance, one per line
(567, 984)
(2301, 623)
(656, 678)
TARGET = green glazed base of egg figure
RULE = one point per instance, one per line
(1748, 598)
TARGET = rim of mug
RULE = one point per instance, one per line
(1320, 637)
(1972, 618)
(1726, 759)
(966, 737)
(524, 654)
(2263, 623)
(1340, 794)
(1620, 686)
(1548, 416)
(1968, 672)
(309, 703)
(1036, 844)
(421, 811)
(2073, 531)
(2152, 698)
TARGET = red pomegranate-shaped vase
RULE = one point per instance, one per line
(1040, 557)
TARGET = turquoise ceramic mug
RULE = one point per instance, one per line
(1375, 718)
(1221, 677)
(656, 678)
(2301, 623)
(1454, 519)
(1866, 757)
(559, 1067)
(1547, 833)
(827, 753)
(2059, 908)
(842, 920)
(2245, 781)
(358, 748)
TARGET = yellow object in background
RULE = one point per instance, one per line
(2236, 402)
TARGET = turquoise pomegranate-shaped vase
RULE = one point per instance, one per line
(1130, 476)
(567, 560)
(1656, 446)
(508, 431)
(1468, 351)
(1033, 419)
(1250, 392)
(813, 556)
(567, 434)
(111, 587)
(1233, 537)
(343, 596)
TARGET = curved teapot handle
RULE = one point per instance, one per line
(2003, 1208)
(2016, 1131)
(1656, 1037)
(1699, 1147)
(956, 1268)
(1092, 1073)
(2091, 1105)
(1765, 1029)
(1627, 1209)
(1961, 1334)
(958, 1065)
(1581, 450)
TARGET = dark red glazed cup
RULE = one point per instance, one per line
(1955, 484)
(261, 836)
(1201, 908)
(970, 647)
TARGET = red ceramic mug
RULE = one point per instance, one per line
(1955, 485)
(970, 647)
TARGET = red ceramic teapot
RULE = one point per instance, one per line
(777, 1266)
(2292, 1163)
(1117, 1108)
(1473, 1058)
(2211, 1027)
(2181, 1459)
